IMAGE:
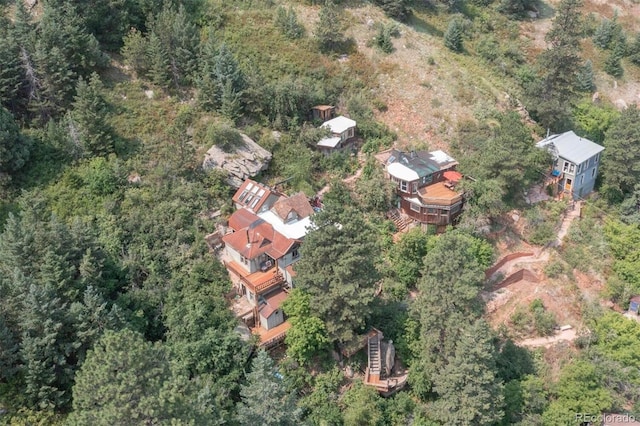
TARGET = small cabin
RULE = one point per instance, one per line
(323, 112)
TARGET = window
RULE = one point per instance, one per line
(569, 167)
(593, 172)
(414, 187)
(427, 179)
(295, 253)
(581, 179)
(244, 260)
(597, 158)
(579, 167)
(403, 186)
(415, 207)
(431, 211)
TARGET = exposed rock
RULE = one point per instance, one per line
(31, 3)
(348, 372)
(620, 103)
(515, 217)
(149, 94)
(596, 97)
(134, 178)
(531, 14)
(244, 162)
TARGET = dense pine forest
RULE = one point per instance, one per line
(114, 310)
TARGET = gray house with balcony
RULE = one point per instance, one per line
(575, 163)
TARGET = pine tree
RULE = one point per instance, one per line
(586, 77)
(158, 60)
(122, 379)
(449, 300)
(550, 96)
(453, 36)
(468, 391)
(337, 270)
(45, 348)
(134, 52)
(287, 21)
(329, 30)
(14, 147)
(179, 39)
(89, 114)
(277, 410)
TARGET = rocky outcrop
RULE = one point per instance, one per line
(245, 161)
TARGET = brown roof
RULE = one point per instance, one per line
(273, 302)
(252, 194)
(257, 238)
(297, 203)
(241, 219)
(323, 107)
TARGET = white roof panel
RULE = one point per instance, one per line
(402, 172)
(339, 124)
(329, 142)
(294, 230)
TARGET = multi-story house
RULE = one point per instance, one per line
(426, 185)
(575, 163)
(260, 252)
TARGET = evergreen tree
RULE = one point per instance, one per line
(338, 270)
(550, 96)
(604, 33)
(64, 51)
(468, 391)
(158, 61)
(222, 82)
(178, 37)
(14, 147)
(89, 115)
(613, 64)
(397, 9)
(448, 302)
(453, 36)
(514, 8)
(383, 39)
(134, 52)
(329, 30)
(279, 409)
(124, 379)
(46, 348)
(586, 77)
(634, 50)
(621, 161)
(287, 21)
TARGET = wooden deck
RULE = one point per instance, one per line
(259, 282)
(439, 194)
(270, 338)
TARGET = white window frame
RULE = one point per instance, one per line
(413, 207)
(404, 186)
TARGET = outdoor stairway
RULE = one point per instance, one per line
(400, 222)
(375, 360)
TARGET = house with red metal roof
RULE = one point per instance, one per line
(260, 250)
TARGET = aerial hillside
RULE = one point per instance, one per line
(488, 284)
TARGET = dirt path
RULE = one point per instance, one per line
(348, 180)
(537, 342)
(566, 223)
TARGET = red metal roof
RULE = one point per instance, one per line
(241, 219)
(252, 194)
(452, 175)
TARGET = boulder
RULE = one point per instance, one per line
(243, 162)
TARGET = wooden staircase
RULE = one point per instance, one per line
(375, 359)
(398, 219)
